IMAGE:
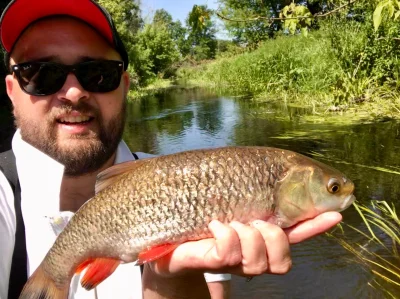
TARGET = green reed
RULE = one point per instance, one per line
(383, 233)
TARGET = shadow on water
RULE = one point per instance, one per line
(183, 120)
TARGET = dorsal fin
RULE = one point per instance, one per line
(112, 174)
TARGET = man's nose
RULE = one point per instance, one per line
(72, 90)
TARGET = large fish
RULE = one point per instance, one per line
(144, 209)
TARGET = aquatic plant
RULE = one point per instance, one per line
(378, 250)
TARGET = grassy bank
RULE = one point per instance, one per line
(156, 86)
(296, 70)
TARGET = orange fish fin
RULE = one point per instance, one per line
(155, 253)
(41, 286)
(83, 265)
(112, 174)
(98, 270)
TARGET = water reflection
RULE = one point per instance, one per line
(367, 153)
(177, 121)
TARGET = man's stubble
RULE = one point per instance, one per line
(91, 154)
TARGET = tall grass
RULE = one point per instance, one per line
(285, 65)
(343, 65)
(379, 249)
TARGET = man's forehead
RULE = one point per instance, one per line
(59, 23)
(54, 35)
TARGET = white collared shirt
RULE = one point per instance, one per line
(40, 178)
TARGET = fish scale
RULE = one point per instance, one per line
(144, 207)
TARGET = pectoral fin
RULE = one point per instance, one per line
(155, 253)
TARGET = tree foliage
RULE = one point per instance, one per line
(175, 28)
(253, 21)
(201, 33)
(126, 15)
(291, 21)
(127, 18)
(164, 17)
(156, 39)
(386, 9)
(199, 18)
(253, 32)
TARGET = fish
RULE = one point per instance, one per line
(143, 209)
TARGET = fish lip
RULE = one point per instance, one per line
(347, 202)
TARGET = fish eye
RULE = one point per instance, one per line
(333, 186)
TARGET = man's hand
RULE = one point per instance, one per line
(245, 250)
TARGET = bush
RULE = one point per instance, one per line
(161, 50)
(368, 59)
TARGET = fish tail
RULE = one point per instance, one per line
(41, 286)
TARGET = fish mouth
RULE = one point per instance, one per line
(347, 202)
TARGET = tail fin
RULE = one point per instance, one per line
(41, 286)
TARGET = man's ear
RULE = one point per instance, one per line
(126, 81)
(10, 86)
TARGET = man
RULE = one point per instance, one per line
(68, 85)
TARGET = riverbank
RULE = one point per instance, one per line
(320, 110)
(298, 71)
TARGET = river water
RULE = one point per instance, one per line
(368, 153)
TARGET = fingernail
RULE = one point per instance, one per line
(215, 224)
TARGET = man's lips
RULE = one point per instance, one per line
(74, 118)
(75, 124)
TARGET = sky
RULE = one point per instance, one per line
(179, 9)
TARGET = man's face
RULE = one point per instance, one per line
(80, 129)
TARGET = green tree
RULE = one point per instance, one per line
(250, 22)
(202, 30)
(127, 18)
(162, 52)
(177, 31)
(164, 17)
(126, 15)
(179, 35)
(251, 32)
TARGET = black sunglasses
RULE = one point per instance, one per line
(45, 78)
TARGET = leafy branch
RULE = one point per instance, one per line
(391, 8)
(273, 19)
(293, 16)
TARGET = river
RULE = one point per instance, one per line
(180, 120)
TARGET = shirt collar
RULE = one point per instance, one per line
(40, 175)
(123, 153)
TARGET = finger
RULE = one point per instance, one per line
(222, 251)
(277, 246)
(254, 260)
(227, 250)
(313, 227)
(185, 258)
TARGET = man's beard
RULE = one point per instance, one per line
(94, 150)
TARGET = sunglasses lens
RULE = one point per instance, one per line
(41, 78)
(46, 78)
(99, 76)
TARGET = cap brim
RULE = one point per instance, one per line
(20, 14)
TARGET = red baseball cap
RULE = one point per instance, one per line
(19, 14)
